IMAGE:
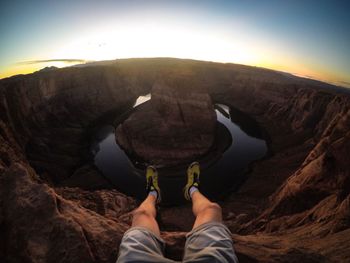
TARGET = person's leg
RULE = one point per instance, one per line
(145, 215)
(204, 210)
(142, 242)
(210, 240)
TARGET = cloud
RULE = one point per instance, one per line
(342, 83)
(65, 60)
(345, 82)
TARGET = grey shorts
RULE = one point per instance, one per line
(210, 242)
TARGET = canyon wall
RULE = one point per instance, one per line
(294, 205)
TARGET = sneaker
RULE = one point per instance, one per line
(193, 172)
(152, 181)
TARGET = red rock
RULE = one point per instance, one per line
(293, 207)
(42, 226)
(172, 128)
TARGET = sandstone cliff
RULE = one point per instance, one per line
(174, 127)
(294, 205)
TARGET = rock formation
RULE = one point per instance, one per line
(293, 207)
(174, 127)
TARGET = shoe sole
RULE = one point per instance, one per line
(154, 177)
(190, 178)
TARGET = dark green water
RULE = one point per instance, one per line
(219, 176)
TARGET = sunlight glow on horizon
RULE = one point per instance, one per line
(136, 35)
(300, 71)
(132, 41)
(125, 40)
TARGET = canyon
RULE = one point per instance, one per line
(55, 206)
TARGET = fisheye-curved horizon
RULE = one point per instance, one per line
(269, 35)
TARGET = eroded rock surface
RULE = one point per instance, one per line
(41, 226)
(174, 127)
(293, 207)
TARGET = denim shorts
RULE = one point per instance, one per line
(210, 242)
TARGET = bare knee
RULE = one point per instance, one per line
(141, 212)
(212, 208)
(211, 212)
(143, 217)
(215, 206)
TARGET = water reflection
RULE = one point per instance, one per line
(114, 163)
(229, 170)
(219, 176)
(142, 99)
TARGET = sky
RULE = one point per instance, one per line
(306, 38)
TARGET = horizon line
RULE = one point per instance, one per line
(85, 61)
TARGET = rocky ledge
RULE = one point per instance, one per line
(174, 127)
(293, 207)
